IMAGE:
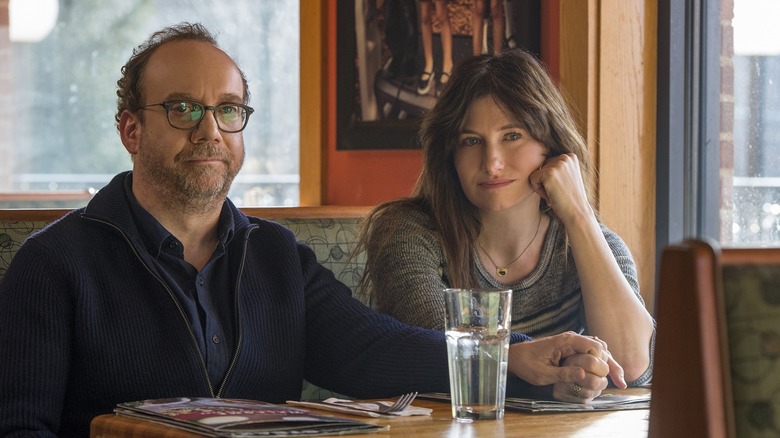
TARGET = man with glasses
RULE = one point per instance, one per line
(186, 114)
(160, 287)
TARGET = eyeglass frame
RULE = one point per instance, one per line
(169, 103)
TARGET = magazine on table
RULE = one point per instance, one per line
(222, 417)
(604, 402)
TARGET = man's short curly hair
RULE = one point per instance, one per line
(129, 89)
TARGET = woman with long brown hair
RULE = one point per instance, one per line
(503, 201)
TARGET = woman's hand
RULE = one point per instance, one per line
(559, 182)
(585, 390)
(541, 361)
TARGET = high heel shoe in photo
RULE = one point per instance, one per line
(443, 79)
(425, 83)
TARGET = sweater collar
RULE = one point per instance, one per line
(111, 204)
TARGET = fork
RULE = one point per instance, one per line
(399, 405)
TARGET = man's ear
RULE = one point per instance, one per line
(130, 131)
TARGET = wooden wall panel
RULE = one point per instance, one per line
(608, 70)
(626, 127)
(579, 72)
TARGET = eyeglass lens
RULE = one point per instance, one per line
(185, 115)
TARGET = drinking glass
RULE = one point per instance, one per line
(477, 325)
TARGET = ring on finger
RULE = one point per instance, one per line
(575, 390)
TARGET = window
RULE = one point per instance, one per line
(60, 67)
(718, 159)
(755, 216)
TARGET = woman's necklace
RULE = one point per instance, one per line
(502, 270)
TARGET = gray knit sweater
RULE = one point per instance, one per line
(411, 273)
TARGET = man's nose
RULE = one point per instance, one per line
(208, 128)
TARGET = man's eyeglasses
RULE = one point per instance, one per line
(187, 114)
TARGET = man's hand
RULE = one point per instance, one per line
(564, 360)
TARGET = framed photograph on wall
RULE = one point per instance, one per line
(381, 91)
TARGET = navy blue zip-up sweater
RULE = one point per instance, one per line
(86, 322)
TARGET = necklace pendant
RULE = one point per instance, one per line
(500, 271)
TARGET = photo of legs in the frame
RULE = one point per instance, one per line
(405, 49)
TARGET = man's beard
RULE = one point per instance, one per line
(188, 187)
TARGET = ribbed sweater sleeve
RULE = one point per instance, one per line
(409, 275)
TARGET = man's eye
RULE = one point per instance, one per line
(181, 107)
(187, 107)
(228, 109)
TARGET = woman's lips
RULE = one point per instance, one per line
(496, 184)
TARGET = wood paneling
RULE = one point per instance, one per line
(608, 70)
(579, 66)
(626, 127)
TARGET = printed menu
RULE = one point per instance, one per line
(222, 417)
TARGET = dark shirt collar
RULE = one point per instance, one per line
(156, 238)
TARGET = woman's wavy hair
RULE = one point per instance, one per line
(519, 84)
(129, 91)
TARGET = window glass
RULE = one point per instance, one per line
(58, 79)
(754, 138)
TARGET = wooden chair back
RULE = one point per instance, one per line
(716, 369)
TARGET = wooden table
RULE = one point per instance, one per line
(626, 424)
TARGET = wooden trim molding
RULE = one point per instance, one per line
(311, 212)
(32, 215)
(313, 62)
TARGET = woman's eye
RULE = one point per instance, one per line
(470, 141)
(513, 136)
